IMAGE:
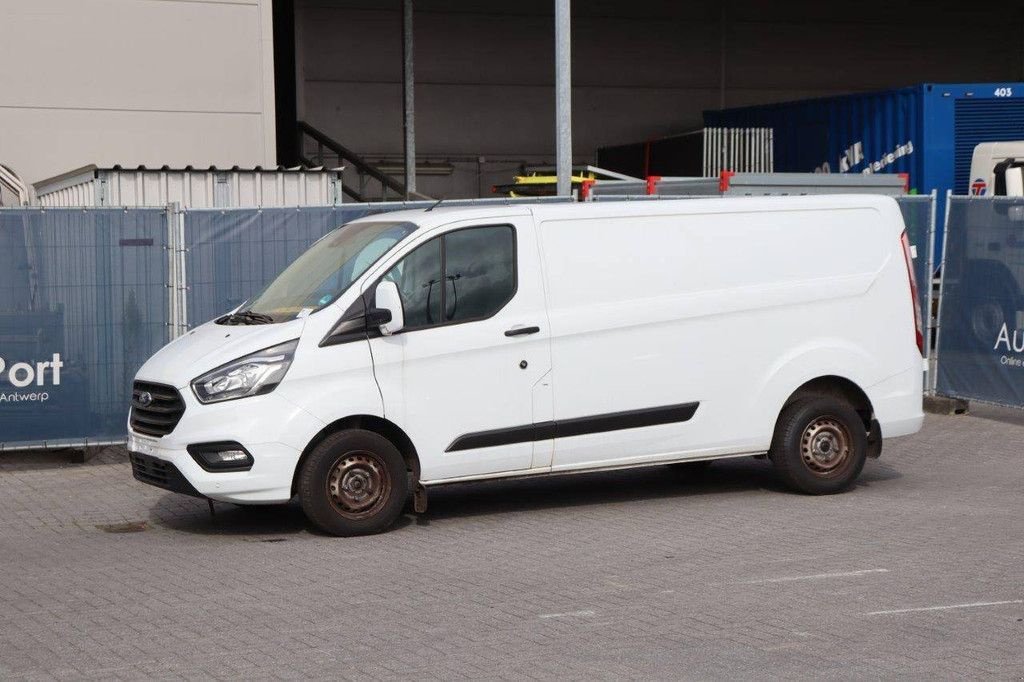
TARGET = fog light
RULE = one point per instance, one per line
(226, 456)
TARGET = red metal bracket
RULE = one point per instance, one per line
(723, 180)
(585, 186)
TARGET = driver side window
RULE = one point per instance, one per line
(461, 276)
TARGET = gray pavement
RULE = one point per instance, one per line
(917, 573)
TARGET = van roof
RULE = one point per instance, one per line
(593, 209)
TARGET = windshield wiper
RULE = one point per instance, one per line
(246, 317)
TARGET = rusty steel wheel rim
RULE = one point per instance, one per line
(358, 485)
(825, 446)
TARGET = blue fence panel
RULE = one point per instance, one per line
(83, 303)
(981, 329)
(232, 254)
(86, 297)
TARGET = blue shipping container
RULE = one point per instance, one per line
(928, 131)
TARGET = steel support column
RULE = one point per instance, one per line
(563, 99)
(408, 108)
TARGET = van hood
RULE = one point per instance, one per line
(210, 346)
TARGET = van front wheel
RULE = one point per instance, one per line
(353, 483)
(820, 445)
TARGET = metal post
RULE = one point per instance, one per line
(721, 59)
(563, 99)
(759, 151)
(763, 163)
(761, 137)
(172, 272)
(177, 284)
(713, 168)
(748, 158)
(182, 271)
(706, 138)
(929, 294)
(719, 150)
(408, 108)
(942, 286)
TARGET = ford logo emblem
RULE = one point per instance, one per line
(145, 399)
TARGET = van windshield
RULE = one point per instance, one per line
(323, 272)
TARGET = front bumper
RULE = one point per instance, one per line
(161, 473)
(268, 482)
(273, 430)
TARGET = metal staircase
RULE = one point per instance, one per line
(330, 151)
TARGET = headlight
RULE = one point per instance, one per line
(254, 374)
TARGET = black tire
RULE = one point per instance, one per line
(820, 445)
(353, 483)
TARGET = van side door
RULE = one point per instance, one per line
(630, 374)
(467, 377)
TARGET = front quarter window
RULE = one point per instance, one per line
(325, 270)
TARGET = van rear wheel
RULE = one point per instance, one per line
(820, 445)
(353, 483)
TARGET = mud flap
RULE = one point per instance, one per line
(419, 499)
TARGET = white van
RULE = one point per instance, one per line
(414, 349)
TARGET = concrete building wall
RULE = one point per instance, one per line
(484, 71)
(133, 82)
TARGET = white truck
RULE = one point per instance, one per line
(997, 169)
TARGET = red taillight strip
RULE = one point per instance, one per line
(908, 259)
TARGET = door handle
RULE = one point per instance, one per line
(522, 331)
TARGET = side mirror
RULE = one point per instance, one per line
(387, 314)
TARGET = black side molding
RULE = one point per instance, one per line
(579, 426)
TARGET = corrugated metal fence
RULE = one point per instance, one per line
(740, 150)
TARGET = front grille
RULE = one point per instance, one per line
(163, 412)
(161, 473)
(151, 470)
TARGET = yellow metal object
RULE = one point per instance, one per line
(550, 179)
(542, 181)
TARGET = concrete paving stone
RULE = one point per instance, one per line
(624, 575)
